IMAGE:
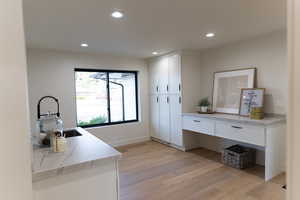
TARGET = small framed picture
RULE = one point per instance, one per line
(251, 97)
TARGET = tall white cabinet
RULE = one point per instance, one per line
(175, 120)
(166, 75)
(164, 132)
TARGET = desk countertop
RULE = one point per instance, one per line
(268, 120)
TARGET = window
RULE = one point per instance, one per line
(105, 97)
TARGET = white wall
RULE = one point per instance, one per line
(190, 72)
(52, 73)
(267, 53)
(15, 171)
(293, 136)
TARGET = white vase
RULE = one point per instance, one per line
(203, 109)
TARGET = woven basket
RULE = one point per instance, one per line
(239, 157)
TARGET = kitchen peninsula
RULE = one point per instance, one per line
(88, 165)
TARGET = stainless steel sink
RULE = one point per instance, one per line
(71, 133)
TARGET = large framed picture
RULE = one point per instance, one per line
(251, 98)
(227, 89)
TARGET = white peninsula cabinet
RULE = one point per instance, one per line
(88, 169)
(170, 76)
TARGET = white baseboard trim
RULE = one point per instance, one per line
(168, 144)
(130, 141)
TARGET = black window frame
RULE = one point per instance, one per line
(108, 96)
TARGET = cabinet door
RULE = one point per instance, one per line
(174, 74)
(163, 74)
(164, 118)
(175, 120)
(154, 116)
(154, 77)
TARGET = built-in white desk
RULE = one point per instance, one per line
(268, 133)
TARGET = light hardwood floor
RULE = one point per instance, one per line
(152, 171)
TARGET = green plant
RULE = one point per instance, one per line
(96, 120)
(204, 102)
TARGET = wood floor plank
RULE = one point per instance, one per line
(152, 171)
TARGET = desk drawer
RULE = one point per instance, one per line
(200, 125)
(240, 132)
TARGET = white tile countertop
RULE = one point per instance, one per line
(80, 150)
(268, 120)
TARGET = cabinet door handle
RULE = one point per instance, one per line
(179, 100)
(167, 99)
(197, 121)
(167, 88)
(156, 88)
(237, 127)
(179, 87)
(157, 99)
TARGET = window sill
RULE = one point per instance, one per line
(110, 124)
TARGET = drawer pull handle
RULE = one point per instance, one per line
(196, 121)
(237, 127)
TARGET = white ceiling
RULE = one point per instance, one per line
(148, 25)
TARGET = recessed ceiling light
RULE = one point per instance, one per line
(84, 45)
(117, 14)
(154, 53)
(210, 35)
